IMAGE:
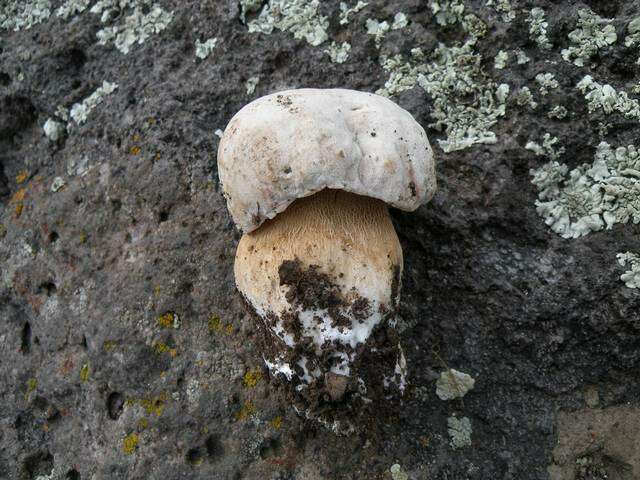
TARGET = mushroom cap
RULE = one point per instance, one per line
(292, 144)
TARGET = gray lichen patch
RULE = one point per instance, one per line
(631, 277)
(299, 17)
(608, 99)
(538, 27)
(525, 97)
(125, 30)
(338, 52)
(22, 15)
(592, 197)
(592, 34)
(346, 11)
(633, 35)
(203, 49)
(504, 8)
(547, 149)
(72, 7)
(459, 431)
(80, 111)
(453, 384)
(546, 82)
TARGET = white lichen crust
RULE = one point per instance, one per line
(592, 34)
(631, 277)
(453, 384)
(295, 143)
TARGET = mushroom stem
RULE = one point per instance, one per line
(327, 268)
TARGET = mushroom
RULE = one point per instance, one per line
(308, 175)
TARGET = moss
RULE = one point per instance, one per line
(84, 372)
(130, 443)
(252, 378)
(246, 411)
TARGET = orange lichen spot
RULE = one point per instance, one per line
(166, 320)
(135, 150)
(18, 210)
(22, 176)
(277, 422)
(130, 443)
(247, 410)
(19, 195)
(252, 377)
(84, 372)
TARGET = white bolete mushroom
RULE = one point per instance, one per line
(307, 175)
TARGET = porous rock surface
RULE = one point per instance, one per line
(125, 350)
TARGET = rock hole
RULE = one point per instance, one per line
(163, 217)
(48, 287)
(214, 447)
(270, 447)
(84, 342)
(73, 474)
(25, 338)
(116, 205)
(38, 464)
(5, 79)
(287, 170)
(115, 405)
(195, 456)
(53, 237)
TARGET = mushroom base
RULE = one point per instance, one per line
(324, 279)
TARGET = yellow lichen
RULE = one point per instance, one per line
(166, 320)
(155, 405)
(143, 423)
(161, 348)
(247, 410)
(130, 443)
(18, 209)
(32, 384)
(277, 422)
(19, 195)
(84, 372)
(215, 324)
(156, 290)
(22, 177)
(136, 137)
(134, 150)
(82, 238)
(228, 329)
(252, 377)
(108, 345)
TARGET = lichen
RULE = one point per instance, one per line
(592, 34)
(247, 410)
(345, 11)
(276, 423)
(400, 20)
(558, 112)
(592, 197)
(80, 111)
(397, 473)
(169, 320)
(377, 29)
(249, 6)
(548, 147)
(546, 82)
(504, 8)
(57, 184)
(500, 60)
(525, 97)
(130, 443)
(607, 99)
(538, 26)
(299, 17)
(22, 176)
(453, 384)
(203, 49)
(631, 278)
(251, 84)
(161, 347)
(521, 57)
(633, 35)
(84, 372)
(19, 15)
(136, 27)
(72, 7)
(338, 52)
(447, 12)
(53, 130)
(32, 384)
(460, 431)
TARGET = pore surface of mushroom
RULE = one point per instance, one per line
(308, 175)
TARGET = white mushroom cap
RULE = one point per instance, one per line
(292, 144)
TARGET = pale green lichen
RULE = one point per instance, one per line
(592, 34)
(525, 97)
(345, 11)
(251, 84)
(460, 431)
(132, 28)
(299, 17)
(80, 111)
(397, 473)
(521, 57)
(53, 130)
(22, 15)
(400, 20)
(447, 12)
(338, 52)
(546, 82)
(504, 8)
(633, 35)
(249, 6)
(607, 99)
(631, 278)
(538, 26)
(72, 7)
(548, 147)
(558, 112)
(203, 49)
(500, 60)
(453, 384)
(377, 29)
(592, 197)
